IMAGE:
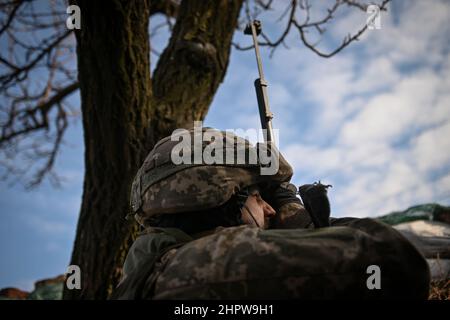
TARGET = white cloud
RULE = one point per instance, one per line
(441, 187)
(423, 28)
(389, 115)
(379, 130)
(279, 95)
(309, 160)
(431, 149)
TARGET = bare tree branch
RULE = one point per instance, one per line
(50, 155)
(17, 5)
(318, 25)
(21, 72)
(345, 42)
(37, 75)
(31, 114)
(169, 8)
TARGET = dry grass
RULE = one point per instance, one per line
(440, 290)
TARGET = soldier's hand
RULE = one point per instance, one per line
(291, 214)
(281, 194)
(315, 199)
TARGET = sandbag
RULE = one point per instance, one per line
(249, 263)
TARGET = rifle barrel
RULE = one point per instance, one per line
(261, 85)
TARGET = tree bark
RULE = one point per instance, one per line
(114, 75)
(122, 118)
(194, 63)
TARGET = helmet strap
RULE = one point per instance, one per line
(251, 215)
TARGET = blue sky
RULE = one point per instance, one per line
(373, 121)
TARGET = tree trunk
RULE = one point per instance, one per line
(122, 119)
(114, 75)
(194, 63)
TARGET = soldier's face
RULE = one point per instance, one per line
(258, 208)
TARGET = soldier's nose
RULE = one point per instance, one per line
(268, 210)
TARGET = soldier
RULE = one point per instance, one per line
(228, 232)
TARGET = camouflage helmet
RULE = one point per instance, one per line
(164, 185)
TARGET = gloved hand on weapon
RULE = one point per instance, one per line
(315, 199)
(291, 212)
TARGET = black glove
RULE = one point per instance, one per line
(291, 214)
(316, 201)
(280, 194)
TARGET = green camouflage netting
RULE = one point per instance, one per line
(430, 211)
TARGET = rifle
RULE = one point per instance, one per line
(254, 28)
(314, 195)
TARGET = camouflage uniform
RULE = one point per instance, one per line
(249, 263)
(246, 262)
